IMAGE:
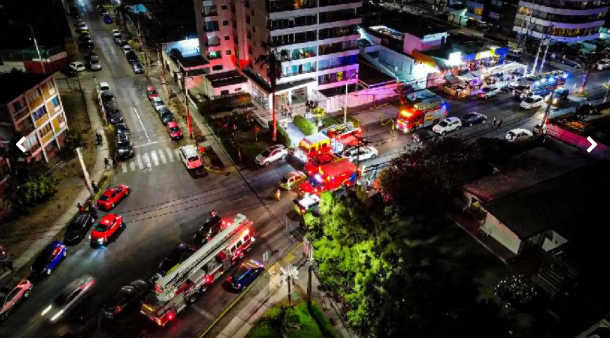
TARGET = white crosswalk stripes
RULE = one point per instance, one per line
(146, 161)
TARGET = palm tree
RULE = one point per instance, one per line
(270, 61)
(587, 67)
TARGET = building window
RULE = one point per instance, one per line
(55, 101)
(249, 35)
(478, 11)
(496, 3)
(225, 23)
(30, 142)
(45, 130)
(247, 19)
(228, 52)
(218, 67)
(40, 112)
(18, 105)
(224, 93)
(223, 7)
(253, 29)
(33, 95)
(227, 37)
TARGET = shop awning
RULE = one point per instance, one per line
(452, 79)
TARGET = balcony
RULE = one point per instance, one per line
(298, 21)
(295, 54)
(338, 47)
(214, 42)
(324, 3)
(338, 62)
(344, 15)
(21, 113)
(300, 70)
(209, 11)
(337, 32)
(290, 5)
(291, 39)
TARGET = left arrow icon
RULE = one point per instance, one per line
(20, 144)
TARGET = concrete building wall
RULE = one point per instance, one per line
(501, 233)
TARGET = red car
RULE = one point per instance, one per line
(112, 196)
(312, 167)
(151, 92)
(174, 130)
(107, 227)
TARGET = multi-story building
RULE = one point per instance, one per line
(315, 40)
(30, 107)
(497, 15)
(564, 21)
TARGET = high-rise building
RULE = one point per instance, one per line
(315, 40)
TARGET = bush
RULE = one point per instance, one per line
(282, 135)
(224, 104)
(249, 150)
(331, 121)
(37, 189)
(304, 125)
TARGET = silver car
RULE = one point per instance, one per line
(271, 154)
(69, 298)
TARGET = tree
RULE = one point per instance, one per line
(273, 65)
(588, 65)
(319, 113)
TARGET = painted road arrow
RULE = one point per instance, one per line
(20, 144)
(593, 144)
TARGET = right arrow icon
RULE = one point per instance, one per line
(593, 144)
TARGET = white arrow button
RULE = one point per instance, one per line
(20, 144)
(593, 144)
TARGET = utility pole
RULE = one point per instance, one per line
(163, 82)
(536, 59)
(308, 246)
(289, 274)
(85, 172)
(37, 49)
(345, 105)
(186, 103)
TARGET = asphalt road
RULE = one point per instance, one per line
(168, 204)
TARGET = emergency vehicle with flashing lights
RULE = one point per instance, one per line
(422, 114)
(181, 286)
(330, 177)
(309, 202)
(313, 165)
(541, 84)
(312, 146)
(343, 131)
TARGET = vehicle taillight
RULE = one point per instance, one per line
(118, 309)
(208, 279)
(230, 279)
(170, 316)
(239, 286)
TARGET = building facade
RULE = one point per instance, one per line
(496, 15)
(30, 107)
(315, 40)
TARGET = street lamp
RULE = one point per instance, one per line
(346, 89)
(289, 274)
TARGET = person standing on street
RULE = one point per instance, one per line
(94, 186)
(106, 163)
(495, 121)
(499, 123)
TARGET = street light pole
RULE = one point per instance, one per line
(85, 172)
(346, 92)
(186, 103)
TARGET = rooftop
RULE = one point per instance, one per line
(370, 76)
(402, 22)
(467, 45)
(176, 20)
(15, 84)
(191, 61)
(225, 78)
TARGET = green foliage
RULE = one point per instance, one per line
(304, 125)
(331, 121)
(319, 113)
(249, 150)
(292, 322)
(74, 138)
(224, 104)
(282, 135)
(37, 189)
(516, 290)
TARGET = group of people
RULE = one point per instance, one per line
(89, 206)
(7, 261)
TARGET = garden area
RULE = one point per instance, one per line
(292, 322)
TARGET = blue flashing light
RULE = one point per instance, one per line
(565, 76)
(543, 80)
(536, 83)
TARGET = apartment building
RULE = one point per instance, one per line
(30, 106)
(497, 15)
(315, 40)
(563, 21)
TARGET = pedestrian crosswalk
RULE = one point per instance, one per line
(149, 159)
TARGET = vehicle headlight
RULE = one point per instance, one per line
(57, 315)
(100, 240)
(44, 312)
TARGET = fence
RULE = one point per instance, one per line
(365, 97)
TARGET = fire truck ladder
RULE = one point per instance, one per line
(166, 286)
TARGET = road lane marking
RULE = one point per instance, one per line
(155, 159)
(162, 156)
(139, 159)
(202, 311)
(132, 166)
(177, 151)
(124, 167)
(147, 161)
(142, 124)
(145, 144)
(169, 154)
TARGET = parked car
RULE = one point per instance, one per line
(107, 18)
(166, 117)
(177, 256)
(361, 153)
(603, 64)
(49, 258)
(423, 136)
(586, 109)
(518, 135)
(73, 11)
(79, 227)
(173, 129)
(157, 102)
(531, 102)
(119, 41)
(447, 125)
(87, 44)
(116, 36)
(12, 293)
(95, 65)
(124, 147)
(292, 180)
(84, 37)
(127, 297)
(122, 129)
(559, 95)
(151, 92)
(106, 229)
(132, 56)
(69, 298)
(245, 275)
(77, 66)
(126, 49)
(190, 157)
(489, 91)
(208, 230)
(82, 27)
(571, 60)
(115, 116)
(69, 71)
(104, 86)
(78, 22)
(137, 67)
(92, 56)
(271, 154)
(515, 54)
(473, 118)
(112, 196)
(101, 9)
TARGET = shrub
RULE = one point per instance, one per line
(304, 125)
(37, 189)
(224, 104)
(282, 135)
(249, 150)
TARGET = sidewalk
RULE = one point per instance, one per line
(267, 292)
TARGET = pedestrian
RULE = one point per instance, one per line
(80, 207)
(495, 121)
(499, 123)
(277, 194)
(94, 187)
(7, 263)
(90, 206)
(106, 163)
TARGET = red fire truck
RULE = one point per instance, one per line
(421, 114)
(330, 177)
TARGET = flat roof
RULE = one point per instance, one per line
(192, 61)
(226, 78)
(402, 22)
(370, 76)
(571, 204)
(279, 87)
(15, 84)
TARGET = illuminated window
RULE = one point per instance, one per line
(478, 11)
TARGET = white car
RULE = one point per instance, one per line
(77, 66)
(361, 153)
(69, 298)
(531, 102)
(82, 26)
(104, 86)
(518, 135)
(603, 64)
(271, 154)
(447, 125)
(95, 65)
(157, 103)
(190, 157)
(488, 92)
(126, 49)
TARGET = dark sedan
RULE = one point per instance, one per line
(128, 296)
(86, 44)
(423, 135)
(177, 256)
(79, 227)
(208, 230)
(115, 116)
(137, 67)
(166, 117)
(471, 119)
(245, 275)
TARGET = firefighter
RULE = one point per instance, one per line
(277, 194)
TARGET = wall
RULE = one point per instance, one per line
(501, 233)
(428, 42)
(600, 151)
(355, 99)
